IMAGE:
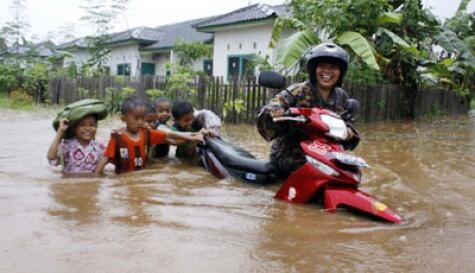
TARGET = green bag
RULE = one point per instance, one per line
(75, 111)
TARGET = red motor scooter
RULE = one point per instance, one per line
(331, 174)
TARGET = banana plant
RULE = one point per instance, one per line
(360, 46)
(290, 49)
(452, 44)
(237, 105)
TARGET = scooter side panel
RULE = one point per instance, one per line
(359, 200)
(301, 185)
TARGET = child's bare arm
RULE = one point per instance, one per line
(101, 165)
(194, 137)
(174, 142)
(53, 148)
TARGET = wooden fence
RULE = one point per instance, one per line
(380, 102)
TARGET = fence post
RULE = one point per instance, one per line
(226, 87)
(236, 85)
(248, 98)
(201, 91)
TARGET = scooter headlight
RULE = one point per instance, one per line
(324, 168)
(350, 159)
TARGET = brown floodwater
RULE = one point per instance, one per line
(178, 218)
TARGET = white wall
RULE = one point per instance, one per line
(119, 55)
(125, 54)
(160, 61)
(198, 64)
(130, 54)
(78, 57)
(246, 36)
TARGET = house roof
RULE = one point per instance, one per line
(43, 49)
(164, 37)
(76, 43)
(169, 34)
(246, 14)
(143, 34)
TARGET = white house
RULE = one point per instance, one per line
(237, 37)
(161, 52)
(240, 36)
(140, 51)
(77, 48)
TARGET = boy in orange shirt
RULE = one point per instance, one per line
(128, 147)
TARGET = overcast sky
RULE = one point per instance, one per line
(52, 15)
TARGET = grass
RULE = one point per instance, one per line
(8, 103)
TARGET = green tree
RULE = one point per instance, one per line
(9, 78)
(334, 20)
(101, 15)
(36, 81)
(416, 28)
(393, 38)
(14, 32)
(178, 84)
(3, 44)
(190, 52)
(456, 68)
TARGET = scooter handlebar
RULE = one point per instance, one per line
(293, 114)
(290, 118)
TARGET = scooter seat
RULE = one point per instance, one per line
(237, 158)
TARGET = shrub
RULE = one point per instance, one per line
(20, 98)
(9, 75)
(115, 97)
(154, 93)
(36, 81)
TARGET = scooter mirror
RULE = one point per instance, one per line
(271, 79)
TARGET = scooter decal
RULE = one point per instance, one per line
(319, 148)
(379, 206)
(251, 176)
(292, 193)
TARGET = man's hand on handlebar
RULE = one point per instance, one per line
(276, 108)
(277, 112)
(351, 134)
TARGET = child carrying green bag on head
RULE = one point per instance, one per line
(74, 145)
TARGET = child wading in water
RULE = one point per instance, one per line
(163, 110)
(74, 145)
(150, 116)
(128, 147)
(182, 112)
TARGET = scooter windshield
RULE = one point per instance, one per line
(337, 127)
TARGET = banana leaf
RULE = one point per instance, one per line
(389, 18)
(360, 46)
(292, 48)
(450, 42)
(280, 24)
(394, 37)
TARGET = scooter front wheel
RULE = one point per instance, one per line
(354, 198)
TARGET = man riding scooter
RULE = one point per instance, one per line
(326, 67)
(310, 124)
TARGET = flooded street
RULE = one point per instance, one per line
(178, 218)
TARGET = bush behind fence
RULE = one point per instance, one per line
(240, 100)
